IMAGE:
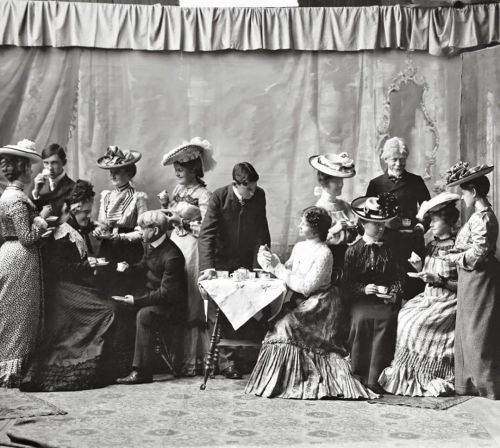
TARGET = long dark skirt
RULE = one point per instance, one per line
(70, 355)
(477, 338)
(372, 338)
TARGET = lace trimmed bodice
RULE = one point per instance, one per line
(308, 271)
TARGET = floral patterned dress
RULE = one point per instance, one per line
(191, 203)
(301, 357)
(423, 364)
(20, 282)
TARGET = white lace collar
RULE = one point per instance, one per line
(74, 236)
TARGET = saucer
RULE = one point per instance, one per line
(384, 296)
(413, 274)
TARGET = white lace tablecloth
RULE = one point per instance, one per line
(240, 301)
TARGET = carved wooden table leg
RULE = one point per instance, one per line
(209, 362)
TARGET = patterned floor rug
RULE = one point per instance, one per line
(437, 403)
(176, 413)
(16, 404)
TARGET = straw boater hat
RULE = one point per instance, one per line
(436, 203)
(461, 173)
(380, 209)
(191, 150)
(118, 158)
(337, 165)
(24, 148)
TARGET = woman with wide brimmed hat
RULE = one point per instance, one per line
(118, 213)
(374, 288)
(477, 339)
(332, 169)
(186, 210)
(424, 358)
(20, 273)
(120, 207)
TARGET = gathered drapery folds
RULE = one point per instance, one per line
(438, 31)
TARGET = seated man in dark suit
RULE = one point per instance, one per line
(52, 186)
(404, 231)
(163, 301)
(234, 227)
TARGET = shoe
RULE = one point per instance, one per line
(135, 377)
(232, 373)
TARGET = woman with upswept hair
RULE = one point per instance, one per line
(301, 356)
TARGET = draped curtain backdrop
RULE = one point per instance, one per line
(272, 108)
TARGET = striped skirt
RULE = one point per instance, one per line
(423, 363)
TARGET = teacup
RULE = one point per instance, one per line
(238, 276)
(121, 267)
(222, 274)
(406, 222)
(382, 289)
(264, 275)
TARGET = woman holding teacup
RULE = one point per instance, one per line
(20, 273)
(77, 319)
(119, 210)
(424, 359)
(374, 287)
(186, 210)
(301, 356)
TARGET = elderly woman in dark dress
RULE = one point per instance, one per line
(477, 339)
(78, 319)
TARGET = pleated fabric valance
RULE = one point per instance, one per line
(438, 31)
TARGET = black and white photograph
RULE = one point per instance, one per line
(249, 223)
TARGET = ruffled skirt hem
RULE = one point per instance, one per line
(413, 375)
(287, 370)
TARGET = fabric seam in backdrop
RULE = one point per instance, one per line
(7, 412)
(439, 31)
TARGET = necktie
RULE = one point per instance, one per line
(394, 178)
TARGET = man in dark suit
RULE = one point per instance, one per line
(410, 190)
(52, 185)
(163, 301)
(234, 227)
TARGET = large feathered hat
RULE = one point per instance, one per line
(196, 147)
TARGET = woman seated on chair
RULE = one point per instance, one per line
(301, 357)
(77, 319)
(424, 359)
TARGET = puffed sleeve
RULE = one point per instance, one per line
(27, 232)
(203, 202)
(482, 226)
(319, 274)
(141, 206)
(102, 207)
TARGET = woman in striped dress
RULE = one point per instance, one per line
(118, 213)
(423, 362)
(120, 208)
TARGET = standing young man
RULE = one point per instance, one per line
(52, 185)
(234, 227)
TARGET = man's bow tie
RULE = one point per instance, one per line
(375, 243)
(395, 178)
